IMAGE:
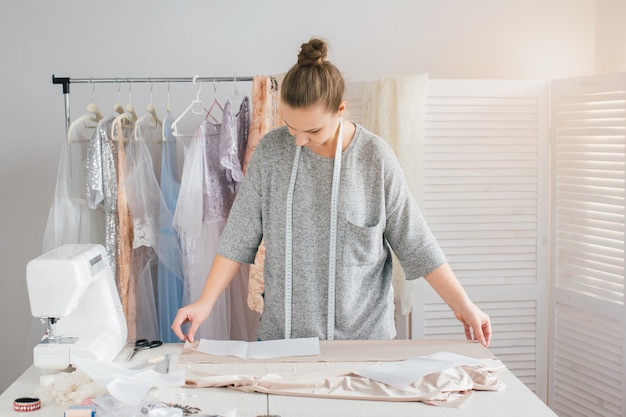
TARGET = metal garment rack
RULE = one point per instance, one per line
(66, 81)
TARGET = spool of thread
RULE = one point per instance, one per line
(80, 411)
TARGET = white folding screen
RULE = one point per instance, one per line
(485, 196)
(491, 187)
(588, 327)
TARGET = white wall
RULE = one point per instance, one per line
(610, 36)
(531, 39)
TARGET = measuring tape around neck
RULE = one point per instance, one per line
(332, 247)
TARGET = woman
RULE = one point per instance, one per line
(329, 224)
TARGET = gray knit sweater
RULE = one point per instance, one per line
(376, 211)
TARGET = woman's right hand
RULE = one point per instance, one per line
(194, 313)
(222, 272)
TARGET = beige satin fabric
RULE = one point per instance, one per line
(331, 374)
(450, 388)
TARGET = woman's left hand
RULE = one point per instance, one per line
(477, 323)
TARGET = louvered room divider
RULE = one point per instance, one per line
(524, 187)
(485, 196)
(588, 139)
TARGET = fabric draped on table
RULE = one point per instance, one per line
(333, 373)
(450, 388)
(394, 109)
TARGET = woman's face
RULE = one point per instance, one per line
(314, 127)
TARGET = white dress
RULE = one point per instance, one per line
(211, 176)
(70, 220)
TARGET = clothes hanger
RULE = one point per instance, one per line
(168, 109)
(150, 117)
(167, 106)
(130, 107)
(215, 102)
(196, 107)
(237, 98)
(117, 107)
(125, 120)
(87, 121)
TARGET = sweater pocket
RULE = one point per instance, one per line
(362, 245)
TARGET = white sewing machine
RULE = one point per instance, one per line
(72, 290)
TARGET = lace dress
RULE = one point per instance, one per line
(143, 197)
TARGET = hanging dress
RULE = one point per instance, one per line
(121, 132)
(101, 162)
(213, 164)
(243, 320)
(194, 238)
(170, 270)
(69, 218)
(144, 200)
(266, 116)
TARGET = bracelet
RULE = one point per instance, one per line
(26, 404)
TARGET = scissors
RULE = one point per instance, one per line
(143, 344)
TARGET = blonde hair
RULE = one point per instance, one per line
(313, 80)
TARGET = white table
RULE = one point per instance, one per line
(514, 400)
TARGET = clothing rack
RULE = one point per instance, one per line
(66, 81)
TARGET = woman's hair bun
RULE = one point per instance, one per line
(312, 53)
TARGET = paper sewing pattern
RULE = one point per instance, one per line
(404, 373)
(261, 350)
